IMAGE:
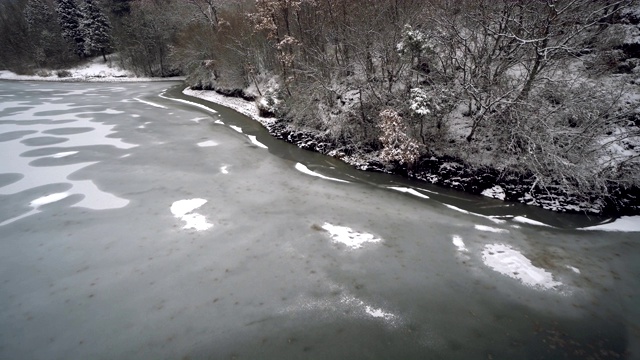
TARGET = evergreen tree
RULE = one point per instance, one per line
(38, 15)
(96, 29)
(70, 18)
(46, 45)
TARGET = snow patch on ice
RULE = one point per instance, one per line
(207, 143)
(190, 103)
(492, 218)
(510, 262)
(255, 141)
(623, 224)
(346, 304)
(236, 128)
(198, 119)
(224, 169)
(63, 154)
(183, 209)
(378, 313)
(48, 199)
(306, 170)
(459, 243)
(526, 220)
(347, 236)
(574, 269)
(150, 103)
(408, 191)
(490, 229)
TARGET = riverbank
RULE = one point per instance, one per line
(444, 171)
(94, 70)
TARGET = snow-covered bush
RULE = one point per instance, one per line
(419, 102)
(414, 42)
(397, 145)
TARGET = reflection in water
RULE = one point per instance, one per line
(349, 237)
(183, 209)
(510, 262)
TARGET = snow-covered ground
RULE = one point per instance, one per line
(94, 70)
(238, 104)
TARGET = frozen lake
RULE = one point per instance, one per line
(136, 226)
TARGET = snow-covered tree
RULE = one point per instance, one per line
(70, 17)
(96, 29)
(398, 146)
(39, 17)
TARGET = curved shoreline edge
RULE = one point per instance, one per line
(445, 171)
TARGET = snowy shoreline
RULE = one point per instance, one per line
(10, 76)
(444, 171)
(94, 70)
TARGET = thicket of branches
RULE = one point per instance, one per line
(513, 84)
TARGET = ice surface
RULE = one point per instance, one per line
(75, 125)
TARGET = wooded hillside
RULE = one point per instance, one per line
(546, 90)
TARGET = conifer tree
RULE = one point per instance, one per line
(96, 29)
(70, 18)
(38, 16)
